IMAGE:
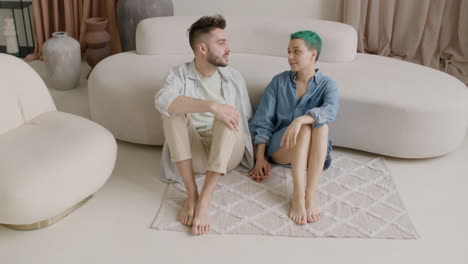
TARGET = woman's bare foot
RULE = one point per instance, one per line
(202, 221)
(298, 213)
(313, 213)
(187, 211)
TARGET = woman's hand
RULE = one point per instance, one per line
(261, 171)
(289, 138)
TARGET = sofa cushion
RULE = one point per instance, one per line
(388, 106)
(259, 35)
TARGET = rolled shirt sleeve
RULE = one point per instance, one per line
(171, 89)
(326, 113)
(262, 124)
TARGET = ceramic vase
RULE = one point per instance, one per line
(62, 56)
(10, 36)
(97, 40)
(131, 12)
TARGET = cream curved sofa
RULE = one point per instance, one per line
(388, 106)
(50, 162)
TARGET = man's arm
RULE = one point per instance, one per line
(184, 105)
(224, 112)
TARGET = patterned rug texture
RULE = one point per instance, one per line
(357, 197)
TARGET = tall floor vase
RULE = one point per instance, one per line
(131, 12)
(97, 40)
(62, 56)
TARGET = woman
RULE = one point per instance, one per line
(290, 126)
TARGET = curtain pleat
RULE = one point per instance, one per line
(433, 33)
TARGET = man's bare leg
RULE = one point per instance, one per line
(297, 156)
(187, 213)
(316, 159)
(202, 220)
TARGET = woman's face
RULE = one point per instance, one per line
(300, 56)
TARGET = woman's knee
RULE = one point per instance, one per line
(306, 131)
(322, 130)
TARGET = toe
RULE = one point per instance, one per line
(314, 216)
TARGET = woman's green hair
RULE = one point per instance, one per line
(312, 40)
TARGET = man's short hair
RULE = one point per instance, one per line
(204, 25)
(312, 40)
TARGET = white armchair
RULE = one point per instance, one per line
(50, 162)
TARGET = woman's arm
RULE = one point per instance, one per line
(262, 126)
(263, 121)
(326, 113)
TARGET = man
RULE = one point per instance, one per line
(205, 108)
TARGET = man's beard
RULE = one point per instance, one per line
(216, 61)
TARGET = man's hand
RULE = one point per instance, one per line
(261, 171)
(226, 113)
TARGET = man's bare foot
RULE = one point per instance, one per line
(202, 221)
(298, 213)
(187, 211)
(313, 213)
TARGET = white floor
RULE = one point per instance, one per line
(114, 226)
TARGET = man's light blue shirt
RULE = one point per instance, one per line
(280, 105)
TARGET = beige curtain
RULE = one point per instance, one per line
(433, 33)
(69, 16)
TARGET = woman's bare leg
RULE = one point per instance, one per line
(297, 156)
(316, 159)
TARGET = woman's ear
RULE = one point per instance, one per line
(314, 53)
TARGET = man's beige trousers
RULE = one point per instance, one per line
(218, 150)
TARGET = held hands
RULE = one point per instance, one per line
(289, 138)
(261, 171)
(226, 113)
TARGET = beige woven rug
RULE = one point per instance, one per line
(357, 197)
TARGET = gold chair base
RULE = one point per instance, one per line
(50, 221)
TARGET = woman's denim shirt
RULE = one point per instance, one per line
(280, 105)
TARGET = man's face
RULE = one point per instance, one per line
(217, 48)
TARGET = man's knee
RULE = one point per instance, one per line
(221, 126)
(174, 118)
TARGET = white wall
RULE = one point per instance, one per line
(318, 9)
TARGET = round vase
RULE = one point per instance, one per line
(97, 40)
(131, 12)
(62, 56)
